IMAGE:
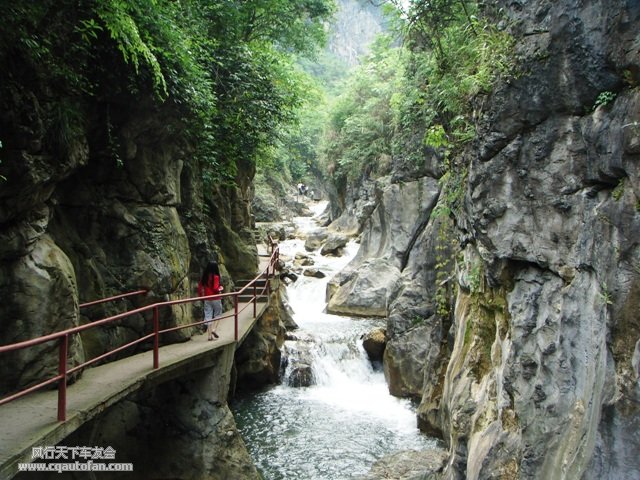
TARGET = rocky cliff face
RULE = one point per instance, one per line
(538, 376)
(77, 225)
(394, 274)
(356, 25)
(551, 211)
(101, 196)
(118, 207)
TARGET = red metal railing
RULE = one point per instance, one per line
(112, 299)
(63, 336)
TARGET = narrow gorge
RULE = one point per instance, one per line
(481, 160)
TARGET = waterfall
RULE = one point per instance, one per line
(328, 345)
(332, 416)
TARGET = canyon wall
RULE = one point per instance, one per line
(100, 194)
(79, 224)
(535, 371)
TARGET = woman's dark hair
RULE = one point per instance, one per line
(211, 268)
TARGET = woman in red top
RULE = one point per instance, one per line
(209, 284)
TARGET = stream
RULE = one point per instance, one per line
(338, 427)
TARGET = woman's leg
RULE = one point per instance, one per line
(217, 312)
(208, 317)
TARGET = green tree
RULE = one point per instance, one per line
(405, 102)
(225, 64)
(258, 87)
(360, 127)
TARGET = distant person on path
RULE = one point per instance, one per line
(271, 243)
(209, 284)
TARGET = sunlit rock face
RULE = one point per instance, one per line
(373, 280)
(393, 275)
(542, 382)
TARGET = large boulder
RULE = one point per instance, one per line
(314, 272)
(334, 245)
(409, 465)
(315, 239)
(367, 291)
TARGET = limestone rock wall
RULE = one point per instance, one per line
(538, 374)
(393, 273)
(119, 207)
(541, 382)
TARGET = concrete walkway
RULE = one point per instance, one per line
(31, 420)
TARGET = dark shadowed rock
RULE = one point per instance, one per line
(299, 359)
(374, 343)
(258, 357)
(301, 376)
(314, 272)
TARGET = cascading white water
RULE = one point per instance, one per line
(338, 427)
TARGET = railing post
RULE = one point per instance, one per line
(269, 276)
(235, 317)
(62, 383)
(156, 338)
(255, 298)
